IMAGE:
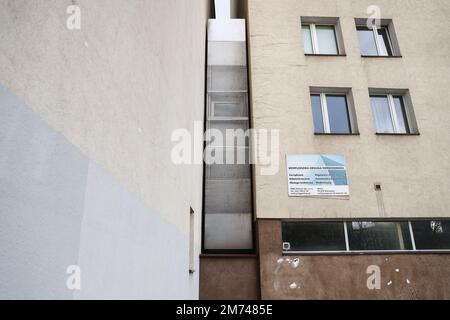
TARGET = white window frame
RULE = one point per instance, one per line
(315, 40)
(378, 42)
(394, 118)
(347, 241)
(349, 251)
(411, 232)
(325, 115)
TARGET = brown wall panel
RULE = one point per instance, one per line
(229, 278)
(403, 276)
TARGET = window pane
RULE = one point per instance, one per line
(338, 114)
(432, 235)
(228, 105)
(401, 115)
(314, 236)
(317, 114)
(326, 38)
(227, 78)
(223, 109)
(228, 133)
(307, 39)
(383, 36)
(382, 114)
(367, 42)
(369, 236)
(228, 171)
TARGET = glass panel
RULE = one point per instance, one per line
(228, 232)
(228, 196)
(228, 133)
(223, 109)
(227, 78)
(370, 236)
(338, 114)
(228, 171)
(314, 236)
(383, 36)
(317, 114)
(307, 40)
(401, 115)
(227, 53)
(326, 37)
(367, 42)
(382, 114)
(432, 235)
(227, 155)
(228, 105)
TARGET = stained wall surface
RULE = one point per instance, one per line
(409, 168)
(86, 172)
(337, 277)
(229, 278)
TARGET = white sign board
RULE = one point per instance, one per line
(317, 176)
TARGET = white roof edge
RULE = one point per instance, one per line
(226, 30)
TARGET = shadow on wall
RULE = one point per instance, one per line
(58, 208)
(238, 9)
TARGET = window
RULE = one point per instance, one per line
(377, 41)
(374, 42)
(322, 36)
(313, 236)
(320, 39)
(228, 106)
(432, 235)
(365, 236)
(331, 113)
(307, 39)
(390, 114)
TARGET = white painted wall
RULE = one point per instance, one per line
(115, 90)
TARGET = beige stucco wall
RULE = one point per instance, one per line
(411, 169)
(117, 88)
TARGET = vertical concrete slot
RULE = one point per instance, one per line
(228, 196)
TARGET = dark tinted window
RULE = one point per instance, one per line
(370, 236)
(432, 235)
(338, 114)
(314, 236)
(401, 114)
(385, 42)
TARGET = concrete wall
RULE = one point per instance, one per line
(85, 147)
(410, 168)
(405, 277)
(229, 277)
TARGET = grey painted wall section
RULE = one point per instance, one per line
(116, 90)
(125, 245)
(58, 208)
(41, 204)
